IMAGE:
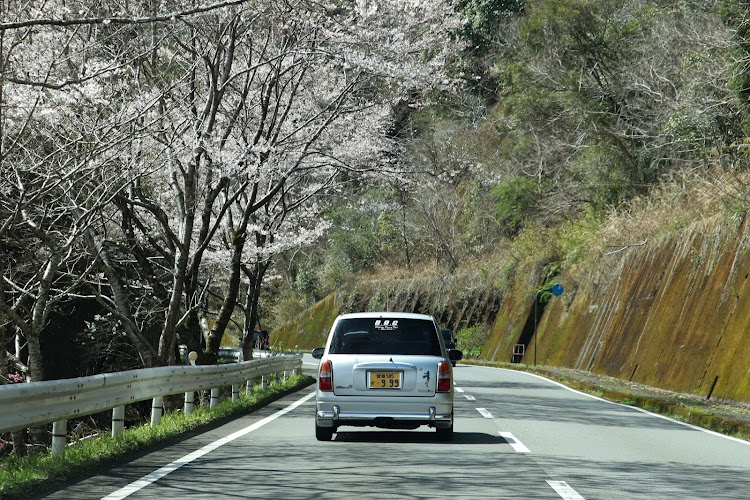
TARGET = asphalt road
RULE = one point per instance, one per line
(516, 436)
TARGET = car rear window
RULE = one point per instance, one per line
(385, 336)
(447, 335)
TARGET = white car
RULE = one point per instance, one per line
(388, 370)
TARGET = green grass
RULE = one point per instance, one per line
(18, 475)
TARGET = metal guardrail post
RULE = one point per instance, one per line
(264, 382)
(214, 397)
(157, 410)
(59, 437)
(118, 420)
(189, 402)
(248, 387)
(235, 393)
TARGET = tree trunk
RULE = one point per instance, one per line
(121, 301)
(252, 297)
(5, 333)
(257, 278)
(230, 300)
(248, 328)
(404, 236)
(186, 201)
(193, 336)
(36, 369)
(168, 337)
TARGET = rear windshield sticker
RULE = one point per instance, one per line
(386, 325)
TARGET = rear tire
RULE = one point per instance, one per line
(323, 433)
(445, 434)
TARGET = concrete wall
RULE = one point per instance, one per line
(673, 313)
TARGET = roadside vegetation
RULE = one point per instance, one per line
(582, 128)
(19, 475)
(471, 340)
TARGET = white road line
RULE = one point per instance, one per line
(458, 389)
(515, 443)
(470, 398)
(485, 413)
(565, 491)
(160, 473)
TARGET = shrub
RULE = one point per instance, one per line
(516, 200)
(471, 340)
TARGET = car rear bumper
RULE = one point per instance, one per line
(333, 411)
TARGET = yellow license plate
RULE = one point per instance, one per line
(385, 380)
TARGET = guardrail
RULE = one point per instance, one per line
(39, 403)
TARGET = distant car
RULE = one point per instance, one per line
(387, 370)
(449, 339)
(260, 339)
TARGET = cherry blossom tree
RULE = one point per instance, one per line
(317, 116)
(56, 169)
(59, 148)
(167, 138)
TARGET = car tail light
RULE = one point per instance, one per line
(325, 376)
(444, 377)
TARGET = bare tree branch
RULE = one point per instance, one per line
(174, 16)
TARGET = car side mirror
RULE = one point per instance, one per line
(317, 353)
(455, 355)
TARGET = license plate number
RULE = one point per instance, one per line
(385, 380)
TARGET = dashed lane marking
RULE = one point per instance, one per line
(469, 397)
(485, 413)
(458, 389)
(514, 443)
(564, 490)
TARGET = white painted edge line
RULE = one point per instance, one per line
(469, 397)
(513, 442)
(160, 473)
(669, 419)
(485, 413)
(458, 389)
(564, 490)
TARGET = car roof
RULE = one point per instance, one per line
(400, 315)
